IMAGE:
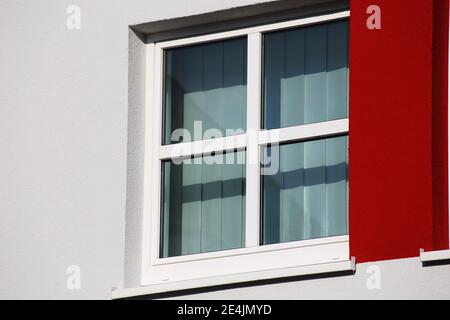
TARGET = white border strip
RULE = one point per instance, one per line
(187, 149)
(148, 158)
(235, 278)
(253, 250)
(252, 181)
(434, 255)
(307, 131)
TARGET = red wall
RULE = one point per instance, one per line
(440, 128)
(398, 201)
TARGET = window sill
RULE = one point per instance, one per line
(431, 258)
(316, 269)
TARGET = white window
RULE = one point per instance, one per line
(246, 154)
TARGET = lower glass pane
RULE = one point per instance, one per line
(203, 207)
(307, 197)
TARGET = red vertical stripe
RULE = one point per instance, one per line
(440, 130)
(391, 95)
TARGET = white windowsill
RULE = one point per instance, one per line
(315, 269)
(253, 250)
(434, 255)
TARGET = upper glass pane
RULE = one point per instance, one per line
(203, 206)
(306, 75)
(206, 84)
(306, 198)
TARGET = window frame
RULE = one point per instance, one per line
(254, 257)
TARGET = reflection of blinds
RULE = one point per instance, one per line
(206, 83)
(306, 75)
(203, 206)
(308, 197)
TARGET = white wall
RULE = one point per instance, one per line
(63, 145)
(70, 120)
(395, 279)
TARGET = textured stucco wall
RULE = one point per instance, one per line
(394, 279)
(71, 127)
(63, 146)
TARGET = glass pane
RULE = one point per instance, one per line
(206, 83)
(203, 204)
(306, 75)
(307, 197)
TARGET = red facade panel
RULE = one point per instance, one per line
(397, 130)
(440, 128)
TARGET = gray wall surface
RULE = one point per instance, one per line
(71, 128)
(63, 147)
(395, 279)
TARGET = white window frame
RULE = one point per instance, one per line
(254, 261)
